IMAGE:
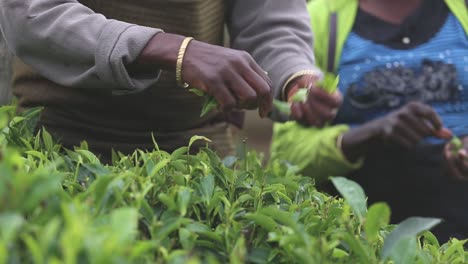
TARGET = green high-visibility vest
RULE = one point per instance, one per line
(332, 21)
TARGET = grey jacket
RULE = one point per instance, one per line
(71, 45)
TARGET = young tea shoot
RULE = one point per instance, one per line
(329, 83)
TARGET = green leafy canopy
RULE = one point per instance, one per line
(65, 206)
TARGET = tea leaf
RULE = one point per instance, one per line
(197, 92)
(300, 96)
(34, 249)
(353, 194)
(282, 107)
(10, 224)
(47, 138)
(405, 251)
(457, 145)
(330, 82)
(238, 255)
(209, 105)
(124, 222)
(377, 217)
(264, 221)
(197, 138)
(407, 229)
(65, 206)
(183, 200)
(207, 185)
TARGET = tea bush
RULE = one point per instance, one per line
(65, 206)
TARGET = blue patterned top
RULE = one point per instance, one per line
(376, 79)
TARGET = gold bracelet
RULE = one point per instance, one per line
(180, 60)
(294, 76)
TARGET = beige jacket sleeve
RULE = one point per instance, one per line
(70, 44)
(277, 33)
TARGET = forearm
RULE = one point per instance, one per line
(70, 44)
(161, 52)
(357, 142)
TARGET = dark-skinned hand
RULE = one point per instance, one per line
(231, 76)
(320, 107)
(405, 128)
(457, 160)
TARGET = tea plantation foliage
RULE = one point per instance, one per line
(65, 206)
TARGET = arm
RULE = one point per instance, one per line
(318, 153)
(277, 33)
(71, 45)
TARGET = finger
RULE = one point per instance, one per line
(402, 141)
(310, 117)
(323, 113)
(296, 112)
(407, 131)
(451, 163)
(444, 133)
(244, 93)
(266, 99)
(263, 74)
(391, 135)
(462, 163)
(429, 114)
(319, 95)
(225, 98)
(263, 90)
(417, 125)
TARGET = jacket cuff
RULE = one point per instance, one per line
(291, 68)
(314, 72)
(120, 44)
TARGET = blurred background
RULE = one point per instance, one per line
(5, 73)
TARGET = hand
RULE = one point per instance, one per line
(457, 160)
(405, 128)
(409, 125)
(230, 76)
(320, 107)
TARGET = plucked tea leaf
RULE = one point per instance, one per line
(197, 92)
(209, 105)
(457, 145)
(282, 107)
(330, 82)
(300, 96)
